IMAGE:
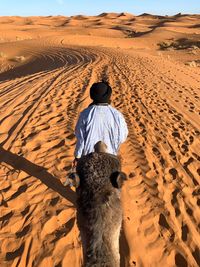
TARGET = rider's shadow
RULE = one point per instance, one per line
(20, 163)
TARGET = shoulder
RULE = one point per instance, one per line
(85, 111)
(116, 112)
(84, 114)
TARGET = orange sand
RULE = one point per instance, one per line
(47, 67)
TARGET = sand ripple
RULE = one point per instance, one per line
(40, 101)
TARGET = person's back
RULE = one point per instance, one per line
(100, 122)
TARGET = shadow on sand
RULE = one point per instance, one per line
(22, 164)
(33, 67)
(124, 249)
(42, 63)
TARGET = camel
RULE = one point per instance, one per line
(99, 215)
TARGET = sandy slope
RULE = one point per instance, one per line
(44, 84)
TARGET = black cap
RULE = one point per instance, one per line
(101, 92)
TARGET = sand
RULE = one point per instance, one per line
(47, 67)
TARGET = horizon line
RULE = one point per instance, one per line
(83, 14)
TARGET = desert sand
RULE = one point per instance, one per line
(47, 65)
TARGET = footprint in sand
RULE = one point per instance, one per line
(180, 261)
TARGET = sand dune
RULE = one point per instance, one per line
(47, 67)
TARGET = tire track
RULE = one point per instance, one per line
(160, 199)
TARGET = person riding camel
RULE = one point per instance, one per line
(99, 122)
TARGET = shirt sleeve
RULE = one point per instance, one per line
(80, 136)
(123, 129)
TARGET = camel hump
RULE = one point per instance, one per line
(100, 147)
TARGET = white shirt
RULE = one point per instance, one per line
(100, 123)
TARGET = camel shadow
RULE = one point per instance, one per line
(123, 249)
(22, 164)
